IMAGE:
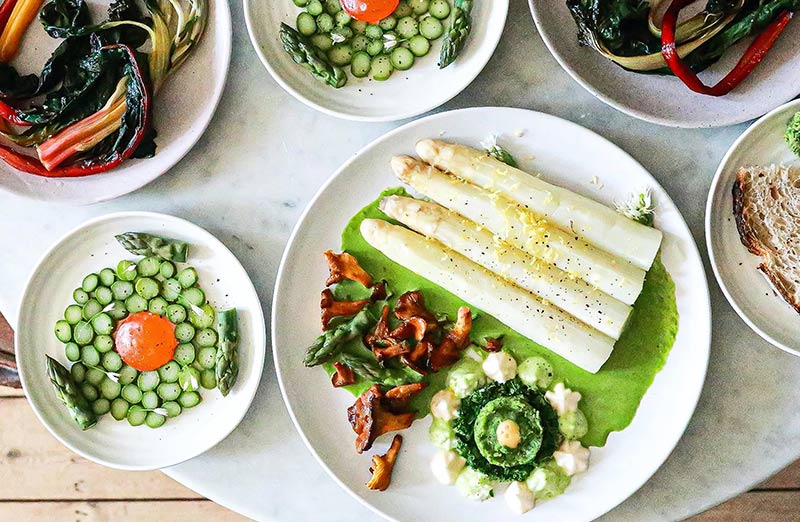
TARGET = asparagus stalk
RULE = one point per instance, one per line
(369, 369)
(69, 393)
(305, 54)
(589, 305)
(519, 309)
(227, 367)
(144, 244)
(456, 35)
(329, 343)
(594, 222)
(520, 228)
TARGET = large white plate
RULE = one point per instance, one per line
(404, 95)
(547, 145)
(89, 248)
(736, 269)
(183, 109)
(665, 99)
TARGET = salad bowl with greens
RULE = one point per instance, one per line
(141, 340)
(452, 376)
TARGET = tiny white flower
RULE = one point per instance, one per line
(337, 38)
(638, 207)
(161, 411)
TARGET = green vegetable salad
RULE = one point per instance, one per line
(500, 421)
(143, 339)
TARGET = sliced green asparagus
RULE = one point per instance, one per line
(457, 33)
(304, 53)
(498, 152)
(368, 368)
(69, 393)
(144, 244)
(328, 344)
(227, 367)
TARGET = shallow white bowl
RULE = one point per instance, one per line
(665, 99)
(547, 145)
(404, 95)
(736, 269)
(182, 110)
(89, 248)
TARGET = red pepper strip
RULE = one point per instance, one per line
(5, 13)
(34, 166)
(751, 58)
(9, 114)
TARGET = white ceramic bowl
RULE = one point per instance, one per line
(182, 110)
(665, 99)
(747, 290)
(547, 145)
(404, 95)
(91, 247)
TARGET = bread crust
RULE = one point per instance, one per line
(749, 239)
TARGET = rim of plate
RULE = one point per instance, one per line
(630, 111)
(400, 115)
(212, 241)
(225, 27)
(295, 233)
(711, 200)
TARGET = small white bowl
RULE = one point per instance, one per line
(736, 269)
(89, 248)
(406, 94)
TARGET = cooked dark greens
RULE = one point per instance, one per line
(469, 411)
(628, 31)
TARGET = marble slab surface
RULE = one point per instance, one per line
(262, 159)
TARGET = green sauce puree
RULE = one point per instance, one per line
(610, 397)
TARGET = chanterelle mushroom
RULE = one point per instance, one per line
(344, 266)
(370, 418)
(382, 466)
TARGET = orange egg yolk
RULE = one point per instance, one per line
(371, 11)
(145, 340)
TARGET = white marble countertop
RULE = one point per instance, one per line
(244, 184)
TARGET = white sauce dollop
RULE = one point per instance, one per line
(519, 498)
(563, 399)
(572, 457)
(500, 367)
(444, 405)
(446, 466)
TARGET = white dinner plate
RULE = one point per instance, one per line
(406, 94)
(89, 248)
(665, 99)
(736, 269)
(182, 110)
(547, 145)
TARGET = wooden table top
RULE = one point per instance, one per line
(44, 481)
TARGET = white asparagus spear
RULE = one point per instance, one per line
(598, 224)
(614, 276)
(519, 309)
(576, 297)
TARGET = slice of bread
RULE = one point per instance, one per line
(766, 204)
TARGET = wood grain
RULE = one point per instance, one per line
(42, 480)
(756, 506)
(34, 465)
(150, 511)
(789, 478)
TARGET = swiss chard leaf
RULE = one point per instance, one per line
(64, 18)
